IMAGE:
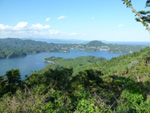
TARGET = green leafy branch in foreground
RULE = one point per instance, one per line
(142, 16)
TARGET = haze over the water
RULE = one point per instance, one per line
(71, 19)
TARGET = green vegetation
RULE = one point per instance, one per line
(77, 64)
(118, 85)
(11, 47)
(114, 48)
(142, 16)
(81, 85)
(99, 46)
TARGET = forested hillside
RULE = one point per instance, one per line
(84, 84)
(99, 46)
(118, 85)
(11, 47)
(114, 48)
(77, 64)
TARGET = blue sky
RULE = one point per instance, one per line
(71, 19)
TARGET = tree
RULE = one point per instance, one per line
(3, 85)
(14, 79)
(142, 16)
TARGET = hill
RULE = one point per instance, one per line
(117, 85)
(114, 48)
(11, 47)
(77, 64)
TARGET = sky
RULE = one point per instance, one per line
(107, 20)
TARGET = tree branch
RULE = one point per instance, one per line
(128, 4)
(140, 18)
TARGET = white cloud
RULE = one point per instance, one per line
(47, 19)
(5, 27)
(23, 29)
(61, 17)
(73, 34)
(54, 32)
(24, 26)
(39, 26)
(21, 26)
(121, 25)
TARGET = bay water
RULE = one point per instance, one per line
(34, 62)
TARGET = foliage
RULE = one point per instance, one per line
(10, 82)
(11, 47)
(142, 16)
(85, 84)
(114, 48)
(77, 64)
(111, 86)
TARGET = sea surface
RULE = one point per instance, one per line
(34, 62)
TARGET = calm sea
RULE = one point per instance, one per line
(34, 62)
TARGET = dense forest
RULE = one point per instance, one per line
(114, 48)
(99, 46)
(118, 85)
(81, 85)
(12, 47)
(76, 64)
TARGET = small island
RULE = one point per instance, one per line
(82, 60)
(77, 64)
(100, 46)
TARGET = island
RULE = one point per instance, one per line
(13, 47)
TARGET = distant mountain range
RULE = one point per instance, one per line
(13, 47)
(60, 41)
(79, 41)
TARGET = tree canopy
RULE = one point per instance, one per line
(142, 16)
